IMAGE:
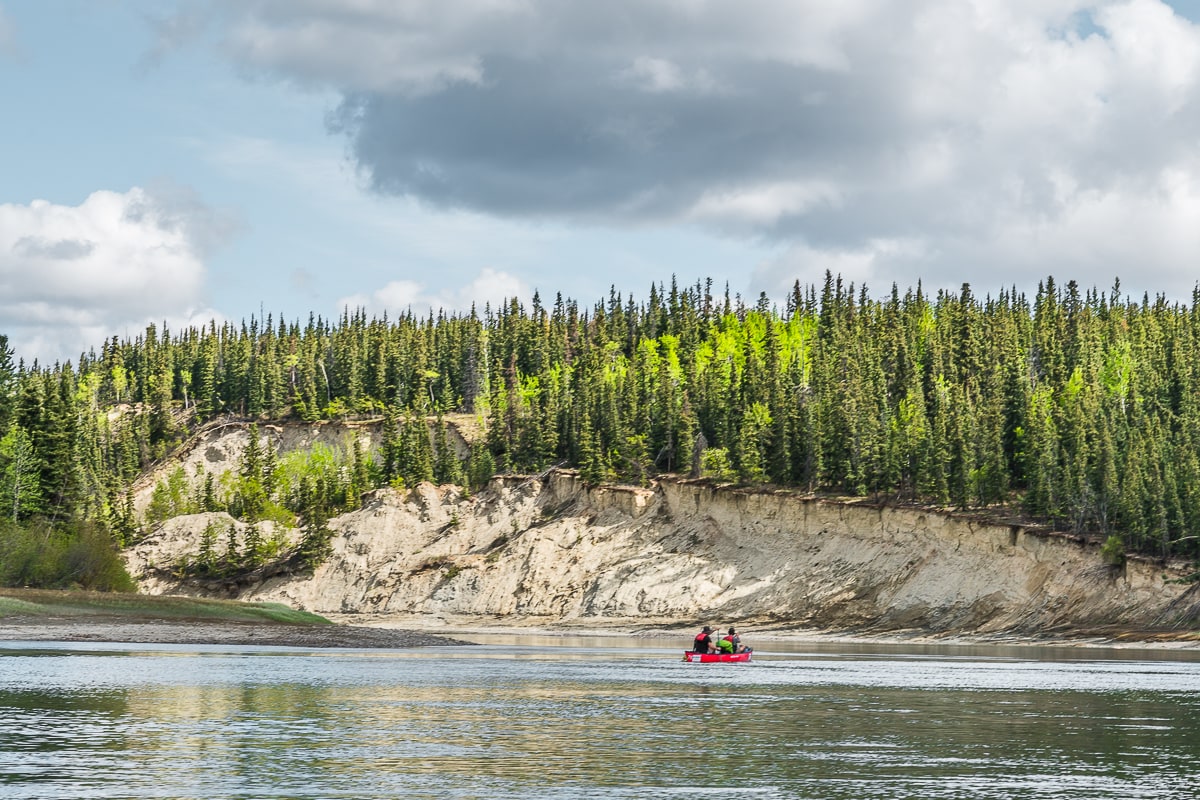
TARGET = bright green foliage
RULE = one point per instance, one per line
(1082, 407)
(1113, 551)
(20, 478)
(170, 498)
(715, 463)
(8, 384)
(313, 479)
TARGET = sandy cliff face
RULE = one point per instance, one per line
(680, 552)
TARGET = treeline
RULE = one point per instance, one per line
(1080, 407)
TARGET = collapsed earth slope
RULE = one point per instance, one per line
(554, 550)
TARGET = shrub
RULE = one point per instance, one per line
(276, 513)
(314, 545)
(91, 561)
(1113, 551)
(73, 556)
(715, 463)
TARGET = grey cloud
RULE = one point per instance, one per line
(957, 128)
(535, 108)
(56, 250)
(554, 139)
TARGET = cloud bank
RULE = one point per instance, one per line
(490, 286)
(993, 141)
(73, 276)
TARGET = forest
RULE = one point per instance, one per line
(1077, 408)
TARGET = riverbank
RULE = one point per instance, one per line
(29, 629)
(625, 628)
(45, 616)
(354, 631)
(32, 615)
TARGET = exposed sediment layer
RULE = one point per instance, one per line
(683, 551)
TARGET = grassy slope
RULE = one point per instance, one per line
(50, 603)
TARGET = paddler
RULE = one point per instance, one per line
(734, 642)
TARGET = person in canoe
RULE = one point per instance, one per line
(732, 643)
(704, 642)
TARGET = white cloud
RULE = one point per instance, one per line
(873, 264)
(1128, 231)
(1156, 49)
(1145, 235)
(371, 45)
(396, 296)
(490, 286)
(72, 276)
(755, 207)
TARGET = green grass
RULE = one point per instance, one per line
(51, 603)
(11, 605)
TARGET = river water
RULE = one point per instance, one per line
(521, 717)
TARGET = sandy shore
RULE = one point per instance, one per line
(98, 629)
(1113, 637)
(354, 631)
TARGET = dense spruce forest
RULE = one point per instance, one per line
(1080, 409)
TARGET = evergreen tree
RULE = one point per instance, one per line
(252, 547)
(20, 478)
(8, 384)
(1077, 405)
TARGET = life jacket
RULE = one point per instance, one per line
(725, 645)
(701, 645)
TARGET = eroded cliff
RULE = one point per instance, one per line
(555, 550)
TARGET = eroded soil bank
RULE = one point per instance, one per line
(556, 553)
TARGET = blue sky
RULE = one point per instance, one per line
(205, 159)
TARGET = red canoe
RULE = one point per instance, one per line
(710, 658)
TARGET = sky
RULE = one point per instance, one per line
(181, 161)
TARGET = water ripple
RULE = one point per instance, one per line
(499, 723)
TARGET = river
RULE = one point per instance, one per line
(529, 717)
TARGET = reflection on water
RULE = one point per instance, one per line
(535, 720)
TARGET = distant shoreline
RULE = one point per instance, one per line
(203, 632)
(31, 615)
(377, 633)
(607, 628)
(41, 615)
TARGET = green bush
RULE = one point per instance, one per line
(277, 513)
(170, 498)
(715, 463)
(1113, 551)
(92, 562)
(43, 556)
